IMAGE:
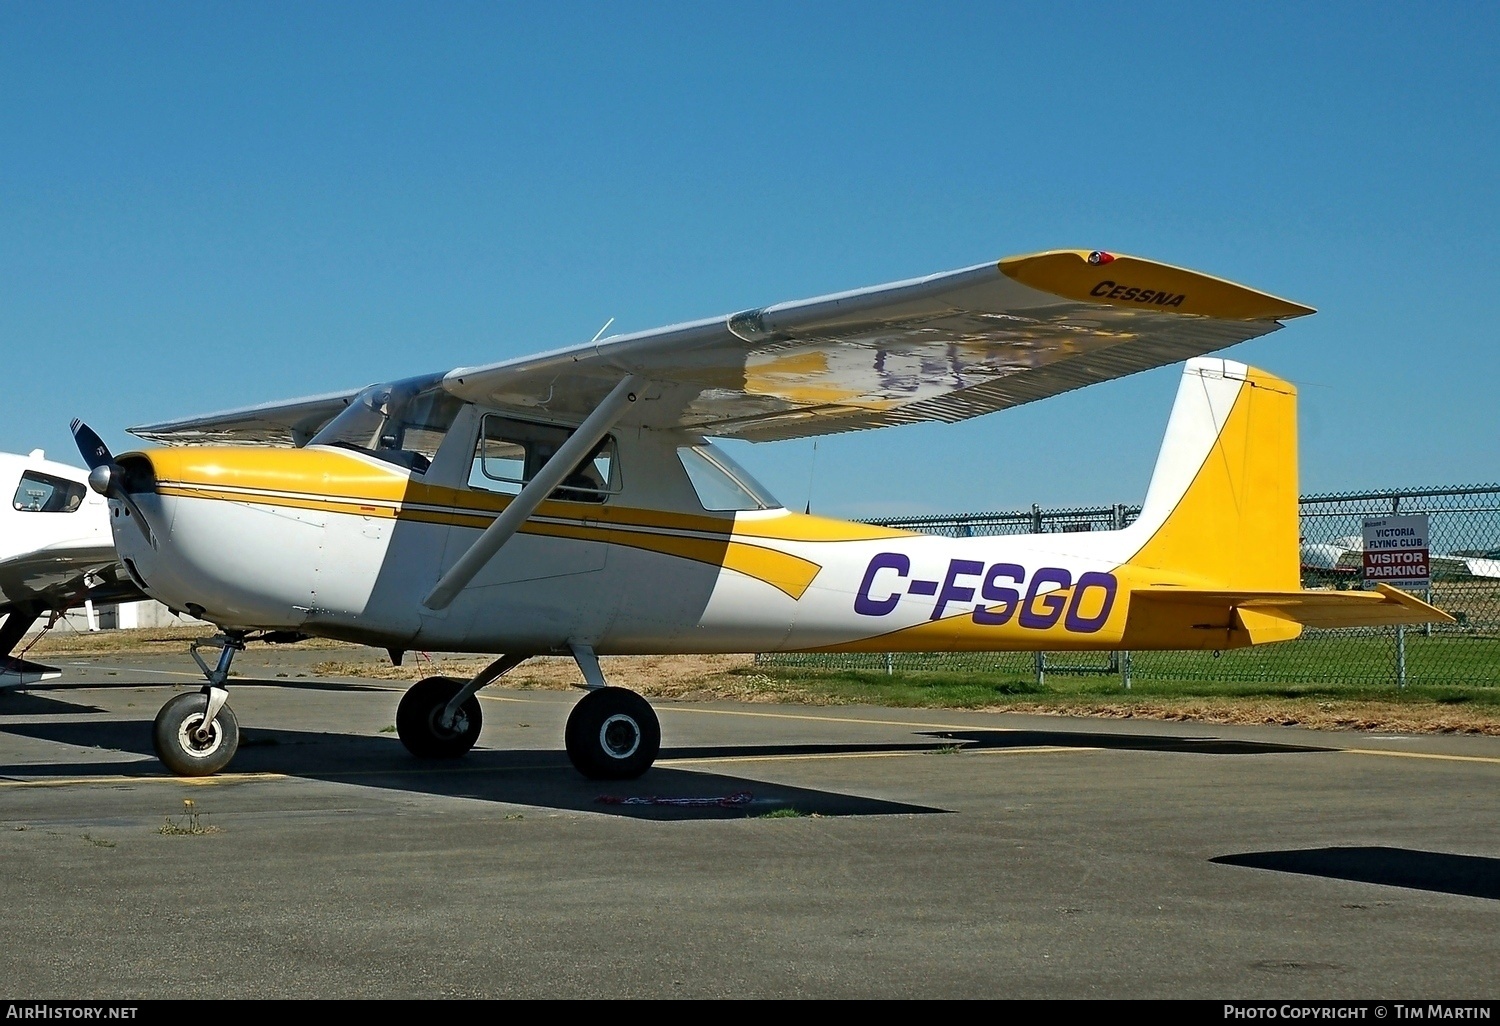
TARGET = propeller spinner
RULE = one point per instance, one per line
(106, 476)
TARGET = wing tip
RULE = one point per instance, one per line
(1120, 280)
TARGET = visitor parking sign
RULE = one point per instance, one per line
(1396, 551)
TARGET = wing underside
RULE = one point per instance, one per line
(941, 348)
(292, 422)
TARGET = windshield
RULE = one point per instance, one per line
(401, 422)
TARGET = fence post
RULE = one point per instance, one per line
(1036, 519)
(1124, 657)
(1041, 670)
(1400, 628)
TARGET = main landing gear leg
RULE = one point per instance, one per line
(439, 717)
(197, 734)
(612, 733)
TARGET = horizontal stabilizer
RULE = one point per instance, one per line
(1385, 606)
(15, 673)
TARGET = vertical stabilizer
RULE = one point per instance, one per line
(1222, 508)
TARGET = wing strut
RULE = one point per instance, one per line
(568, 455)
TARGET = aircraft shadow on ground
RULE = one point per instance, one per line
(546, 778)
(29, 703)
(1472, 875)
(523, 777)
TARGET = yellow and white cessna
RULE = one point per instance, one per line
(571, 503)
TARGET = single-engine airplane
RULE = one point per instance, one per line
(56, 553)
(571, 503)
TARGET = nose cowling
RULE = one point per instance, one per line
(243, 530)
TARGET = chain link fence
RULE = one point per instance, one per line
(1464, 546)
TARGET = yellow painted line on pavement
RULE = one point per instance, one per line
(1037, 750)
(1423, 755)
(222, 778)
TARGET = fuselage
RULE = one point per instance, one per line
(338, 544)
(658, 543)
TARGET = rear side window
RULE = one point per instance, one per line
(43, 493)
(722, 484)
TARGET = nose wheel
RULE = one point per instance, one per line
(191, 741)
(196, 735)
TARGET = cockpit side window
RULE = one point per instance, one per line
(43, 493)
(511, 452)
(402, 423)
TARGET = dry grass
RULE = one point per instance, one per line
(697, 677)
(1381, 717)
(66, 641)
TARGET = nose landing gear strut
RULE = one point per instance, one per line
(196, 735)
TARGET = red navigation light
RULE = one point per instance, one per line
(1098, 256)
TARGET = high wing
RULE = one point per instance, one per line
(941, 348)
(290, 422)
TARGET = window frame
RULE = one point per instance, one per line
(61, 486)
(480, 462)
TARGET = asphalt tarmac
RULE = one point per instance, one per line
(772, 852)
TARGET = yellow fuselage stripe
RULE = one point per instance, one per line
(788, 573)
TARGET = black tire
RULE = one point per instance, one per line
(417, 719)
(613, 734)
(181, 749)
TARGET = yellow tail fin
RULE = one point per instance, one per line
(1222, 508)
(1215, 561)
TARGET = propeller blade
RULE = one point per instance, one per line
(95, 453)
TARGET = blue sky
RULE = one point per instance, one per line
(211, 205)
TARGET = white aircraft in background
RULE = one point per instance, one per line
(56, 552)
(571, 503)
(1344, 559)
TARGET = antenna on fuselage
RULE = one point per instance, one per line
(812, 470)
(601, 331)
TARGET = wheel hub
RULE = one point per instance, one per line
(458, 726)
(620, 736)
(197, 737)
